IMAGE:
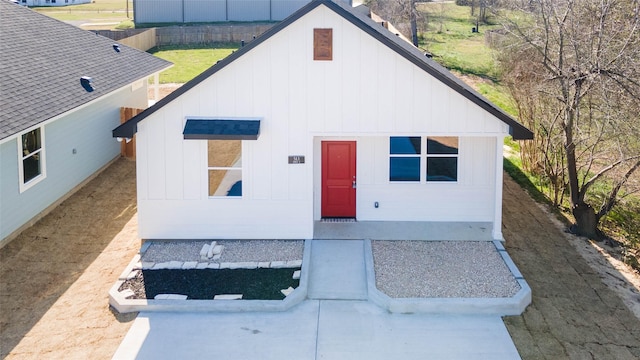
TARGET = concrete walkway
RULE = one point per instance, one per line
(317, 329)
(337, 270)
(337, 322)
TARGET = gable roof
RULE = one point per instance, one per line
(408, 51)
(43, 59)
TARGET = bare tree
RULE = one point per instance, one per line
(574, 71)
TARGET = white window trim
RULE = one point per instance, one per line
(43, 161)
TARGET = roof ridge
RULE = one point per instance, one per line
(410, 52)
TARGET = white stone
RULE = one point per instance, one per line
(204, 250)
(228, 297)
(243, 265)
(146, 265)
(287, 291)
(170, 297)
(211, 248)
(213, 266)
(202, 265)
(188, 265)
(132, 274)
(278, 264)
(264, 264)
(217, 257)
(217, 250)
(294, 263)
(296, 275)
(225, 265)
(174, 265)
(127, 293)
(161, 266)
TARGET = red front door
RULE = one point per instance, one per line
(338, 179)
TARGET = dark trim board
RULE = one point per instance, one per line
(414, 55)
(219, 129)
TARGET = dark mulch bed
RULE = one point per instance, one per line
(253, 284)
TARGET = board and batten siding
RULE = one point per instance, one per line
(366, 93)
(190, 11)
(88, 131)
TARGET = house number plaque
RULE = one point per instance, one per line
(296, 159)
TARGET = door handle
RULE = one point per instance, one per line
(353, 184)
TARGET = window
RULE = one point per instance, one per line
(224, 167)
(31, 158)
(440, 159)
(404, 164)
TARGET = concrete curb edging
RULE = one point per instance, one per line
(124, 305)
(488, 306)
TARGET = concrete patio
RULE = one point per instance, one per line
(342, 316)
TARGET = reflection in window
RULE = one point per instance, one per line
(224, 159)
(404, 163)
(442, 158)
(31, 155)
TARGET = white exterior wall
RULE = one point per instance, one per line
(367, 93)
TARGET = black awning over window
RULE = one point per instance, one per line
(219, 129)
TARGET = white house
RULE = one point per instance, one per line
(326, 115)
(54, 133)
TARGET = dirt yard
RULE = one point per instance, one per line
(55, 276)
(574, 315)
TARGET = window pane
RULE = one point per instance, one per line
(31, 167)
(442, 169)
(404, 145)
(442, 145)
(225, 182)
(404, 169)
(225, 153)
(31, 142)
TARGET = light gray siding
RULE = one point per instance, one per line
(280, 9)
(158, 11)
(88, 131)
(189, 11)
(249, 10)
(205, 10)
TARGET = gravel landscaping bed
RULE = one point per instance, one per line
(441, 269)
(203, 284)
(234, 250)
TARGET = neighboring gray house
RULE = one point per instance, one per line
(54, 134)
(193, 11)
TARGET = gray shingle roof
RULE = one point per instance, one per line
(42, 60)
(408, 51)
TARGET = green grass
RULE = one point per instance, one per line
(96, 6)
(189, 61)
(450, 39)
(106, 14)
